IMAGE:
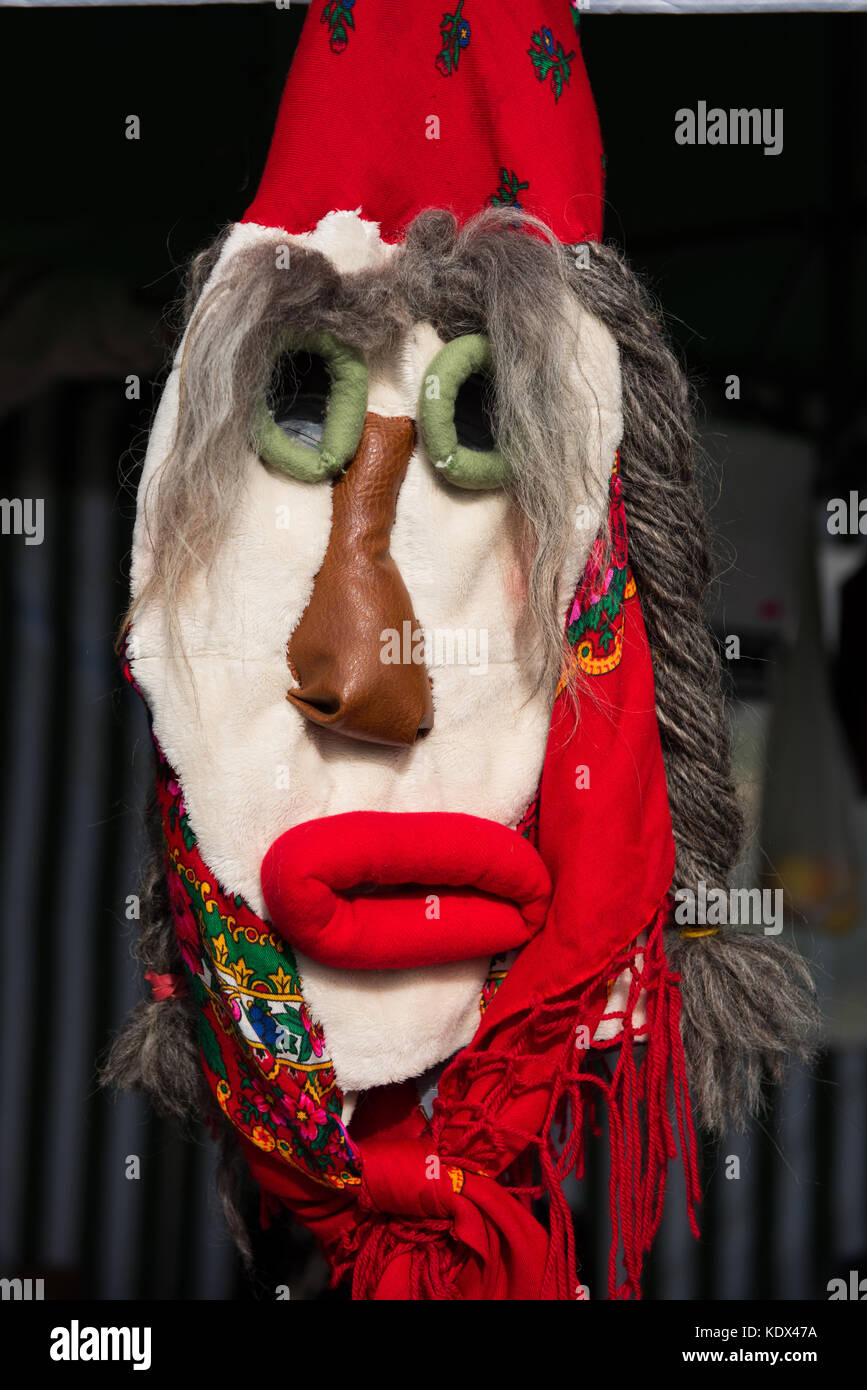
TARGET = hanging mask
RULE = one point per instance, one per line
(416, 590)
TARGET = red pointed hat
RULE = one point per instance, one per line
(391, 108)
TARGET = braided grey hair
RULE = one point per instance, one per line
(748, 1002)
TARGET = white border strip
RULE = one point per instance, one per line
(591, 7)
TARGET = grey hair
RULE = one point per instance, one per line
(669, 556)
(489, 276)
(748, 1005)
(226, 358)
(479, 277)
(747, 1002)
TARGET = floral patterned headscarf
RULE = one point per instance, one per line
(442, 1206)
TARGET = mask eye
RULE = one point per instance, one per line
(310, 421)
(455, 414)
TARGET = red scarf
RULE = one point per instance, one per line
(450, 1207)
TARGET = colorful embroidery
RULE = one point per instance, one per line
(337, 14)
(499, 969)
(455, 34)
(265, 1059)
(178, 813)
(456, 1176)
(550, 59)
(507, 190)
(528, 827)
(594, 628)
(574, 8)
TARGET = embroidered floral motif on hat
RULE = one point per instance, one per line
(506, 194)
(550, 60)
(337, 14)
(455, 34)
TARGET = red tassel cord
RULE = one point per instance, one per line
(166, 986)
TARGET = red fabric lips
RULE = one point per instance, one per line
(454, 887)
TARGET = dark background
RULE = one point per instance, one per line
(760, 265)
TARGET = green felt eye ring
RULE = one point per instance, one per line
(344, 417)
(452, 366)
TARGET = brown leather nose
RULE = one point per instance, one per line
(359, 600)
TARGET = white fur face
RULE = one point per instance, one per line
(252, 767)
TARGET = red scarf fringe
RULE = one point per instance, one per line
(641, 1092)
(641, 1134)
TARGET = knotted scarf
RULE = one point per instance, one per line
(468, 1203)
